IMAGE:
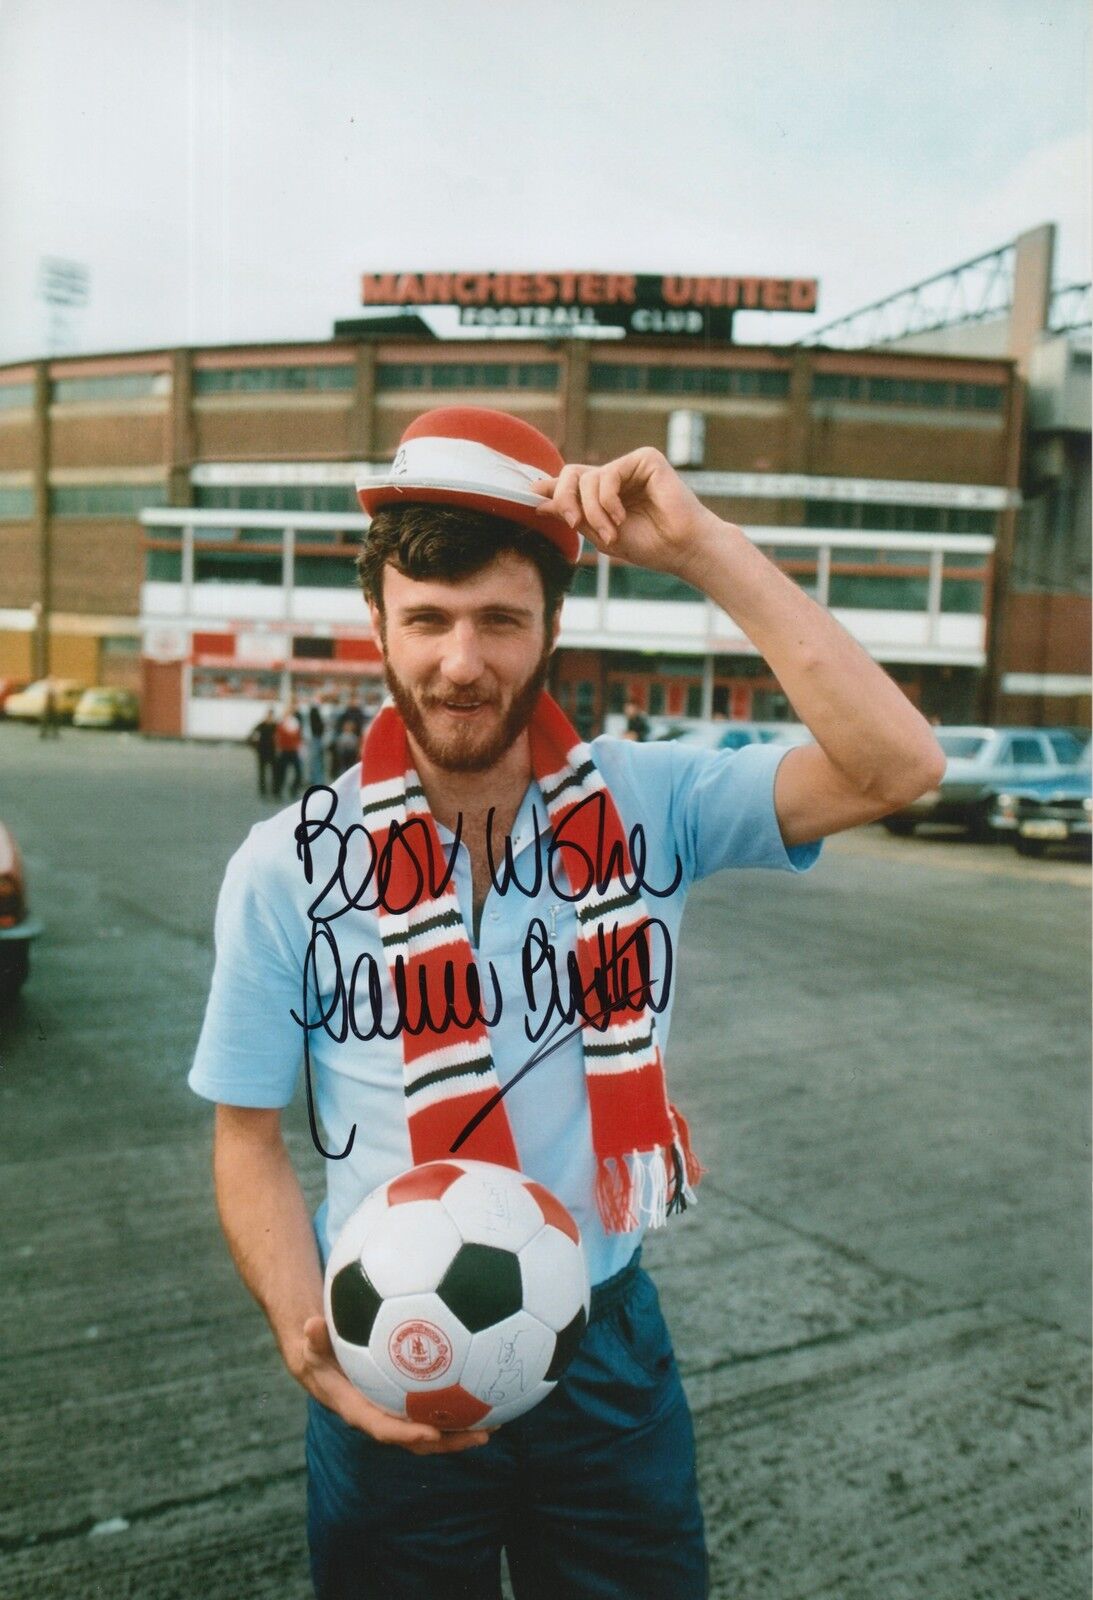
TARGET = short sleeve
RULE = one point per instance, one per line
(723, 810)
(251, 1048)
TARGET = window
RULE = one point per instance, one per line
(324, 572)
(310, 649)
(467, 375)
(877, 593)
(106, 499)
(937, 394)
(273, 379)
(163, 566)
(1025, 753)
(584, 582)
(634, 378)
(276, 497)
(897, 518)
(211, 683)
(236, 566)
(16, 505)
(964, 595)
(1067, 749)
(961, 746)
(119, 386)
(637, 583)
(16, 396)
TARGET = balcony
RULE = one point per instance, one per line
(909, 597)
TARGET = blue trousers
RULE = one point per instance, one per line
(592, 1494)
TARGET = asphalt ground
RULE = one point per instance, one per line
(881, 1305)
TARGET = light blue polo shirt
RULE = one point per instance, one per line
(711, 809)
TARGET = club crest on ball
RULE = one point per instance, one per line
(419, 1350)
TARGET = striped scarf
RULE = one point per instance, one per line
(644, 1165)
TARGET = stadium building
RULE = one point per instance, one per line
(184, 521)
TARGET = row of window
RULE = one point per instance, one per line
(615, 378)
(119, 386)
(880, 592)
(603, 378)
(16, 505)
(898, 519)
(266, 380)
(252, 566)
(105, 499)
(16, 396)
(277, 497)
(467, 375)
(818, 513)
(908, 392)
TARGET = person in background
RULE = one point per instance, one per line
(287, 739)
(316, 742)
(49, 726)
(348, 729)
(262, 741)
(637, 724)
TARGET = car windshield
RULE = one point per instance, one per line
(964, 746)
(1067, 748)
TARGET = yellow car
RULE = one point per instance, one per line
(29, 704)
(107, 708)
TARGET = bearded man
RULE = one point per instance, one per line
(474, 539)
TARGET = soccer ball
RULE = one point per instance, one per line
(457, 1293)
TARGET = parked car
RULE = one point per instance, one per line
(107, 708)
(29, 704)
(982, 763)
(727, 735)
(1049, 812)
(17, 927)
(10, 686)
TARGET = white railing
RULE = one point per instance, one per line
(603, 621)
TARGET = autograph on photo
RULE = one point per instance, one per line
(620, 978)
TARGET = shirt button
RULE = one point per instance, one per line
(493, 916)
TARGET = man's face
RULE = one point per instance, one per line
(465, 662)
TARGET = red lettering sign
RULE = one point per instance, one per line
(614, 289)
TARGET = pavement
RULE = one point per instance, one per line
(880, 1305)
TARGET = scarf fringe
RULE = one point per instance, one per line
(644, 1188)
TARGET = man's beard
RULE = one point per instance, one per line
(468, 749)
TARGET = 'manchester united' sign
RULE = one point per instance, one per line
(554, 301)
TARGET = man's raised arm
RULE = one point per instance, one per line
(874, 751)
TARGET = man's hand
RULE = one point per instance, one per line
(267, 1224)
(318, 1371)
(636, 509)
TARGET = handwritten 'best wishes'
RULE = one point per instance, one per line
(468, 995)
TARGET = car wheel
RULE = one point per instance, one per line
(979, 826)
(14, 971)
(902, 827)
(1029, 847)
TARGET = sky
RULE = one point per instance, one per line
(225, 170)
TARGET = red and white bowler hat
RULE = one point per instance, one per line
(471, 456)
